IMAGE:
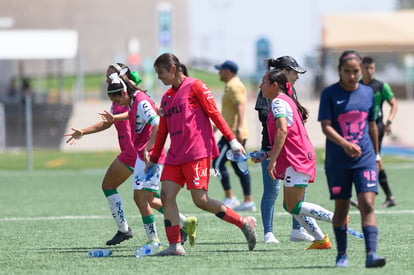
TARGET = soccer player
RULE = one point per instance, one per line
(292, 157)
(382, 92)
(347, 116)
(271, 188)
(123, 166)
(143, 120)
(185, 113)
(233, 106)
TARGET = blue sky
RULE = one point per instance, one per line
(229, 29)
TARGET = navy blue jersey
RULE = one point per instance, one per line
(349, 113)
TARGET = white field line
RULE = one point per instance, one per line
(55, 218)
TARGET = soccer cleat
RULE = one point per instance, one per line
(183, 236)
(342, 261)
(120, 237)
(246, 206)
(249, 231)
(231, 202)
(269, 238)
(301, 235)
(175, 249)
(374, 261)
(190, 227)
(354, 203)
(325, 243)
(389, 202)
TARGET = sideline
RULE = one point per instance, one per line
(56, 218)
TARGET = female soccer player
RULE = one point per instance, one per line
(143, 119)
(293, 157)
(347, 116)
(123, 166)
(185, 113)
(271, 188)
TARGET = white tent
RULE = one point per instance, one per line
(369, 32)
(38, 44)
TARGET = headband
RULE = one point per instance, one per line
(115, 79)
(351, 55)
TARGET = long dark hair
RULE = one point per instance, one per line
(124, 74)
(278, 76)
(166, 61)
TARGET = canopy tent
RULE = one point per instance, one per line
(38, 44)
(369, 32)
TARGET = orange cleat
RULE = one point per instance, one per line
(325, 243)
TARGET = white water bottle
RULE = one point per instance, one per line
(240, 159)
(99, 253)
(147, 249)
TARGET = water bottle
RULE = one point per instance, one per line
(257, 154)
(240, 159)
(98, 253)
(355, 233)
(147, 249)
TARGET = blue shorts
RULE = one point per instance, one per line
(340, 181)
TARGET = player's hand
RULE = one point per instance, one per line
(271, 169)
(237, 147)
(387, 129)
(74, 136)
(353, 150)
(107, 116)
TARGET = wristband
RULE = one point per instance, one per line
(389, 122)
(235, 145)
(377, 157)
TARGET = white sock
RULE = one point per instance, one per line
(315, 211)
(310, 225)
(151, 231)
(182, 219)
(115, 205)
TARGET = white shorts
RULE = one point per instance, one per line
(138, 180)
(293, 178)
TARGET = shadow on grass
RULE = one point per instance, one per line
(292, 267)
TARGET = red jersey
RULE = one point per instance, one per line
(185, 115)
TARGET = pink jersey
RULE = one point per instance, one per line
(185, 115)
(142, 117)
(298, 150)
(128, 155)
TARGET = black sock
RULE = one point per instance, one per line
(384, 184)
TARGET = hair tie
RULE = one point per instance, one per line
(289, 89)
(135, 77)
